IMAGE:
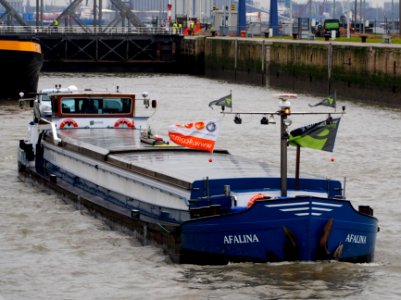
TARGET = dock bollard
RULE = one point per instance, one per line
(227, 190)
(53, 178)
(135, 213)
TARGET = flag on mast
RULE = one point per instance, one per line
(319, 136)
(329, 101)
(225, 101)
(201, 135)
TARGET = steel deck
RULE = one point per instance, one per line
(173, 164)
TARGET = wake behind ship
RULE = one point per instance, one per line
(21, 61)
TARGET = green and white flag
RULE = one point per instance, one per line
(329, 101)
(319, 136)
(225, 101)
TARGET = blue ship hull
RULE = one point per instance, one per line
(302, 228)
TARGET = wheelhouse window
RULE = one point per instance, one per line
(68, 106)
(103, 106)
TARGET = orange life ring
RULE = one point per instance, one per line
(68, 123)
(126, 122)
(256, 197)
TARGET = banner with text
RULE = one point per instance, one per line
(200, 135)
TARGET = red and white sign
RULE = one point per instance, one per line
(200, 135)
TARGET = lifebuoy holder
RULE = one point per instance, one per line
(123, 121)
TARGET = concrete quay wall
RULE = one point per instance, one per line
(366, 72)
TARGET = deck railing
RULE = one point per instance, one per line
(87, 30)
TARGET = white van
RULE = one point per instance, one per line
(43, 106)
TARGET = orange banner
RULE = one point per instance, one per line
(198, 135)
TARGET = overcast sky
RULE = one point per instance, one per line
(371, 2)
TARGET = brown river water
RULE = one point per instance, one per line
(50, 250)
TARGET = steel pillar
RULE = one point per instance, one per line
(241, 16)
(274, 16)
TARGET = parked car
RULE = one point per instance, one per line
(330, 25)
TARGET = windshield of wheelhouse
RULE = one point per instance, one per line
(96, 106)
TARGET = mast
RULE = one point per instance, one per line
(285, 106)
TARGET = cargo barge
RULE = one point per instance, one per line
(232, 210)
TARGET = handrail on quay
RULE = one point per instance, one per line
(87, 30)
